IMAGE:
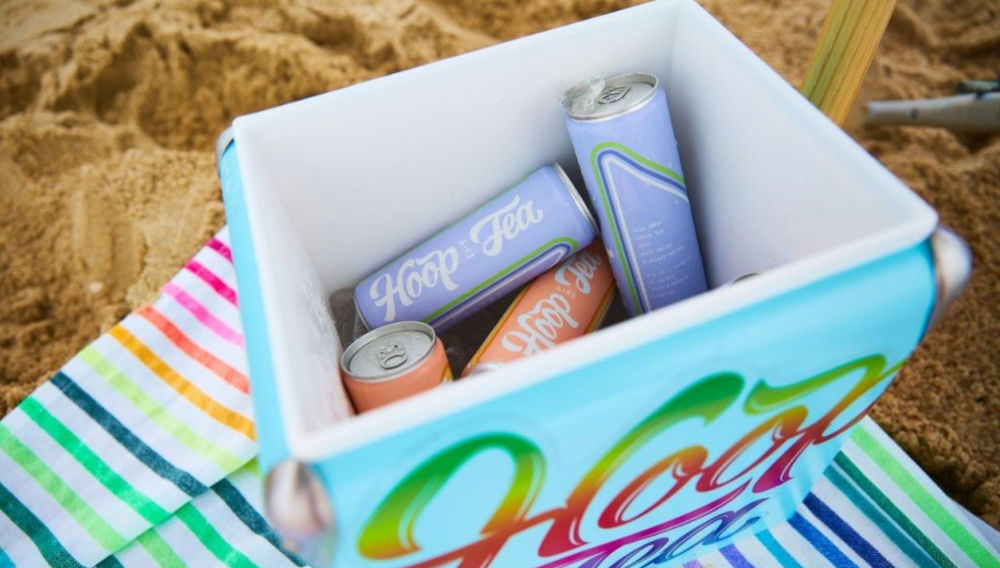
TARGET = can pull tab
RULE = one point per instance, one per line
(613, 95)
(391, 355)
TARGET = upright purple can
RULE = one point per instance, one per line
(500, 246)
(624, 141)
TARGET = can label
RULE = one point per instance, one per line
(633, 174)
(516, 236)
(564, 303)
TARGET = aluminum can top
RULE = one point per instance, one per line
(389, 351)
(602, 99)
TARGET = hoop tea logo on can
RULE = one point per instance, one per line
(621, 133)
(564, 303)
(492, 231)
(516, 236)
(393, 362)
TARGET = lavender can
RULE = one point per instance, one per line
(500, 246)
(624, 141)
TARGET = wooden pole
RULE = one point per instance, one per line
(847, 44)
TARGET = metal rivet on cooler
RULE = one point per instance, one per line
(952, 268)
(297, 505)
(222, 142)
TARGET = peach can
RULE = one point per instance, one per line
(393, 362)
(564, 303)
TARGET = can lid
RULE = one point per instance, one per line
(388, 351)
(598, 99)
(576, 197)
(222, 142)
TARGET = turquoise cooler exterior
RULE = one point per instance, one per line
(640, 445)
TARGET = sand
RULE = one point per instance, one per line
(109, 109)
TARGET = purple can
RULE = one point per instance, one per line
(500, 246)
(624, 141)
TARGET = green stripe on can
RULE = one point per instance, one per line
(526, 259)
(633, 293)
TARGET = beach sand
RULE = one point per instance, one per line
(109, 110)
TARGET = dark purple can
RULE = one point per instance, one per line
(500, 246)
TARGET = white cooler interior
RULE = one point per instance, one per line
(341, 183)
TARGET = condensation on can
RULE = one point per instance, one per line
(393, 362)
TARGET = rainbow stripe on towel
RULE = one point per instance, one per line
(139, 452)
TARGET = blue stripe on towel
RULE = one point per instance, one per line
(819, 541)
(835, 523)
(148, 456)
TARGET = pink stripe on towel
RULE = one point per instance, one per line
(209, 277)
(203, 314)
(221, 248)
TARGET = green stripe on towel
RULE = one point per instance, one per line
(226, 460)
(894, 512)
(213, 541)
(63, 494)
(82, 453)
(48, 545)
(933, 508)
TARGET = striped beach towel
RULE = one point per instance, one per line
(140, 452)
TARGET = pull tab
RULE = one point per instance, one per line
(391, 355)
(613, 95)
